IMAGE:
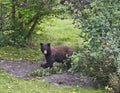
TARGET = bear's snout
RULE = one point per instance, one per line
(45, 52)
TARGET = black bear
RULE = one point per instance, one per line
(56, 54)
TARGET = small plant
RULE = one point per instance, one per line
(114, 82)
(41, 72)
(56, 69)
(109, 89)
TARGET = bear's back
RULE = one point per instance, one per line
(60, 53)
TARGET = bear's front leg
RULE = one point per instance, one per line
(46, 65)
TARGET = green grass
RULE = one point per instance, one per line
(10, 84)
(13, 53)
(62, 32)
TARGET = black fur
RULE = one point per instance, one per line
(56, 54)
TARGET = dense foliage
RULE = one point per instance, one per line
(98, 19)
(100, 24)
(18, 19)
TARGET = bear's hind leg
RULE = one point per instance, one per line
(68, 63)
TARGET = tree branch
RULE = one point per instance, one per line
(32, 27)
(32, 19)
(13, 9)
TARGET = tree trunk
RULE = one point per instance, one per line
(32, 27)
(21, 21)
(13, 14)
(13, 9)
(1, 19)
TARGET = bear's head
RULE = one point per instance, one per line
(45, 48)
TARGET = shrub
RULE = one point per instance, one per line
(100, 24)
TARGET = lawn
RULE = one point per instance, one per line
(56, 32)
(10, 84)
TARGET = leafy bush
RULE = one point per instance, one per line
(100, 24)
(11, 37)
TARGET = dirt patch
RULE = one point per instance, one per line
(22, 69)
(70, 79)
(19, 68)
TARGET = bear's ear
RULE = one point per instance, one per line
(48, 44)
(41, 44)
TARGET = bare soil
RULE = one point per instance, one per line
(21, 69)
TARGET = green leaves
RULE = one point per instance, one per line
(100, 24)
(22, 18)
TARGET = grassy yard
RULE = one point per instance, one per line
(56, 32)
(10, 84)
